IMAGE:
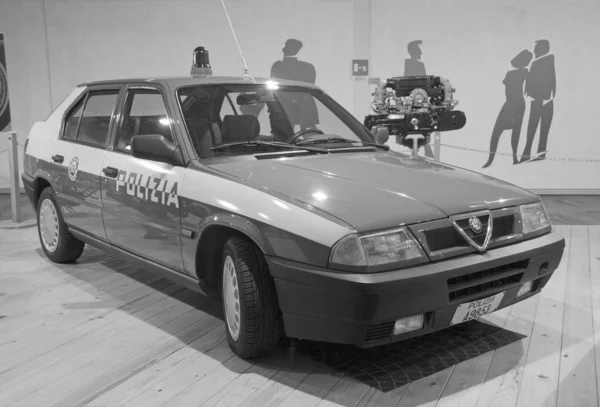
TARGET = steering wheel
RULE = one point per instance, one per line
(302, 132)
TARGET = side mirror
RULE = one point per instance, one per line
(155, 147)
(381, 133)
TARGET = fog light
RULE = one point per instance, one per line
(525, 289)
(408, 324)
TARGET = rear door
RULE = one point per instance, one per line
(78, 155)
(141, 197)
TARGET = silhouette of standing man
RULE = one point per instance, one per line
(413, 66)
(541, 87)
(290, 68)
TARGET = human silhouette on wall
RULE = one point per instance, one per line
(413, 66)
(513, 110)
(290, 68)
(541, 88)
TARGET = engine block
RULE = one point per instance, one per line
(415, 105)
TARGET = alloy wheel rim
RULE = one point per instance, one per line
(231, 297)
(48, 224)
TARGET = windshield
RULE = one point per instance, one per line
(250, 118)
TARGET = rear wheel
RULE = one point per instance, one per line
(59, 245)
(252, 316)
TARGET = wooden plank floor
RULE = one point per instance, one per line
(104, 333)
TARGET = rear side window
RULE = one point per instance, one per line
(89, 120)
(145, 114)
(72, 123)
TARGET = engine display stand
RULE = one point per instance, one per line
(415, 140)
(437, 143)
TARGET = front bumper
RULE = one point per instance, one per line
(361, 309)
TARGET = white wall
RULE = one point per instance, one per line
(471, 42)
(91, 40)
(468, 41)
(22, 23)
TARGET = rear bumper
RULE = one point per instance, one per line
(28, 185)
(361, 309)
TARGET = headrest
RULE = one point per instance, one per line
(239, 128)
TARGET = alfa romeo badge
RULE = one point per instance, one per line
(475, 224)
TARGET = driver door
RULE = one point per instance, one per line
(141, 197)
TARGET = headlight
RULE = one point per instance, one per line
(534, 217)
(378, 249)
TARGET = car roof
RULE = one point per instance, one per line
(178, 81)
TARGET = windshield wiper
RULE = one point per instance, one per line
(341, 139)
(260, 143)
(383, 146)
(325, 140)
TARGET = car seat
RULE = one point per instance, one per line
(205, 134)
(239, 128)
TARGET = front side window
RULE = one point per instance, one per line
(145, 114)
(89, 120)
(223, 114)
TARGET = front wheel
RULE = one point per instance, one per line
(252, 316)
(59, 245)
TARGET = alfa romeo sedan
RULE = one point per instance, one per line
(272, 198)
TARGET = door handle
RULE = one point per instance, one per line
(110, 172)
(58, 158)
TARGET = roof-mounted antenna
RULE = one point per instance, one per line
(201, 63)
(246, 76)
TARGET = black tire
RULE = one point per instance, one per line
(261, 325)
(68, 248)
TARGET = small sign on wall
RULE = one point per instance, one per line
(360, 67)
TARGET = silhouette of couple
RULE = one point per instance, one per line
(538, 83)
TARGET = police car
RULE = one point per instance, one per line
(271, 197)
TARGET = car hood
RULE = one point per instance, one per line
(377, 190)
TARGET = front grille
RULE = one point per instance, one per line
(380, 331)
(478, 238)
(485, 281)
(503, 226)
(447, 237)
(443, 239)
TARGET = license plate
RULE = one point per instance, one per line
(475, 309)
